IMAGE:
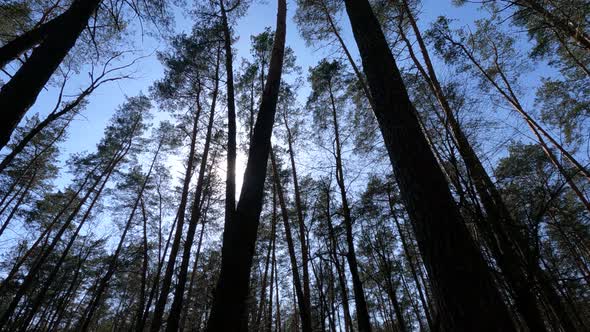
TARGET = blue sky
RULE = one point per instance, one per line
(87, 129)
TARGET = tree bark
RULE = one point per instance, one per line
(230, 184)
(240, 237)
(167, 280)
(176, 309)
(300, 219)
(510, 258)
(466, 294)
(362, 311)
(304, 310)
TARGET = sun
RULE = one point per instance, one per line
(241, 161)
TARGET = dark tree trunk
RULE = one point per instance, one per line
(240, 236)
(230, 184)
(362, 311)
(144, 266)
(304, 310)
(261, 306)
(176, 309)
(339, 267)
(466, 294)
(14, 48)
(167, 279)
(273, 265)
(21, 91)
(406, 251)
(300, 220)
(113, 264)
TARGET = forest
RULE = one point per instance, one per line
(295, 165)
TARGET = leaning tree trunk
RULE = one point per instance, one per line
(362, 311)
(176, 309)
(304, 310)
(508, 255)
(230, 184)
(114, 261)
(467, 296)
(300, 220)
(23, 88)
(167, 278)
(14, 48)
(240, 236)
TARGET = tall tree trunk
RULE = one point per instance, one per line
(144, 266)
(277, 298)
(304, 310)
(406, 251)
(261, 306)
(300, 219)
(467, 296)
(509, 256)
(167, 279)
(21, 91)
(362, 311)
(240, 236)
(113, 264)
(339, 267)
(230, 184)
(156, 282)
(176, 309)
(273, 267)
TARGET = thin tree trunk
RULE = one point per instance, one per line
(113, 264)
(362, 311)
(300, 219)
(304, 310)
(230, 184)
(273, 263)
(406, 250)
(156, 283)
(205, 208)
(144, 265)
(167, 279)
(339, 268)
(176, 309)
(240, 236)
(261, 307)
